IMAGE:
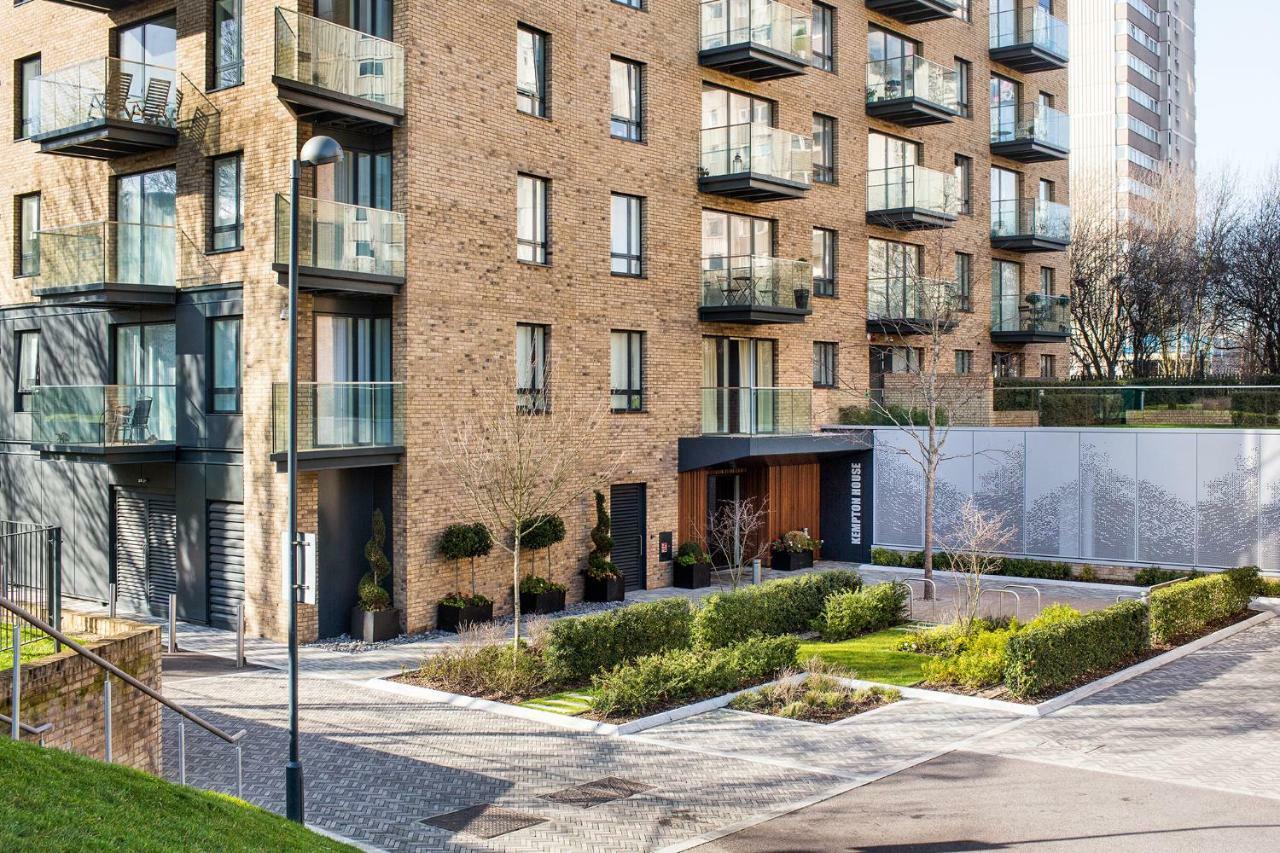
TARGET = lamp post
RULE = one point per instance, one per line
(318, 151)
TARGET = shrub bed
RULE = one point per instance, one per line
(497, 672)
(1014, 567)
(846, 615)
(820, 698)
(771, 609)
(1058, 653)
(655, 682)
(1154, 574)
(579, 647)
(1189, 608)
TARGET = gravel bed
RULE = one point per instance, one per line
(345, 643)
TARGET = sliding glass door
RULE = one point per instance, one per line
(353, 397)
(146, 236)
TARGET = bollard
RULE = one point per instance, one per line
(111, 603)
(106, 713)
(240, 635)
(15, 728)
(182, 751)
(173, 623)
(755, 570)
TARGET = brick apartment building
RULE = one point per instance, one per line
(705, 212)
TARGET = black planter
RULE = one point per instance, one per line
(605, 589)
(789, 561)
(802, 299)
(450, 617)
(375, 626)
(696, 576)
(551, 601)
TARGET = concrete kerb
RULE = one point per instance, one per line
(1091, 586)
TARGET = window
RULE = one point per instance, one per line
(964, 87)
(964, 11)
(822, 37)
(1006, 290)
(531, 71)
(28, 234)
(625, 235)
(964, 362)
(729, 243)
(28, 376)
(228, 44)
(625, 88)
(1048, 191)
(1005, 95)
(1048, 281)
(224, 335)
(824, 149)
(27, 94)
(633, 4)
(531, 367)
(895, 360)
(824, 364)
(626, 371)
(531, 219)
(964, 282)
(1048, 366)
(1006, 365)
(964, 179)
(228, 203)
(824, 262)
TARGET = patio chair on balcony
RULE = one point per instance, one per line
(113, 102)
(129, 424)
(155, 106)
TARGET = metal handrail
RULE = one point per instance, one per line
(1146, 596)
(40, 730)
(118, 672)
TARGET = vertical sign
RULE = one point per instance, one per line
(664, 547)
(855, 503)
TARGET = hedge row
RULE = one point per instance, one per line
(686, 675)
(771, 609)
(1188, 608)
(846, 615)
(1040, 659)
(1014, 567)
(579, 647)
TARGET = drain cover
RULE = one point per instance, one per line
(483, 821)
(595, 793)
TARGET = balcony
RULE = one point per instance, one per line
(755, 162)
(757, 411)
(108, 265)
(333, 75)
(754, 39)
(1039, 320)
(111, 423)
(340, 424)
(1029, 39)
(755, 290)
(1030, 225)
(912, 91)
(107, 108)
(1030, 132)
(107, 6)
(915, 11)
(912, 198)
(342, 247)
(911, 305)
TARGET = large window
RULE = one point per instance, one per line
(725, 108)
(228, 203)
(822, 37)
(964, 177)
(531, 71)
(824, 364)
(1006, 290)
(824, 262)
(895, 360)
(626, 91)
(1005, 95)
(626, 371)
(224, 334)
(732, 240)
(146, 239)
(28, 234)
(964, 282)
(824, 149)
(964, 87)
(532, 365)
(531, 219)
(27, 378)
(228, 43)
(27, 97)
(626, 240)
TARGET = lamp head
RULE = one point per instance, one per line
(320, 151)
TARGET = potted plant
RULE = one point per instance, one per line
(541, 533)
(604, 579)
(459, 542)
(794, 551)
(693, 568)
(373, 618)
(539, 595)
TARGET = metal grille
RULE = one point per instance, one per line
(483, 821)
(30, 576)
(596, 793)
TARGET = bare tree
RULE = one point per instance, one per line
(1251, 280)
(972, 547)
(1097, 261)
(739, 530)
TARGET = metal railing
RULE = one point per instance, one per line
(913, 77)
(335, 415)
(342, 237)
(755, 280)
(1031, 25)
(1030, 121)
(916, 187)
(102, 416)
(1031, 217)
(763, 22)
(107, 89)
(911, 298)
(329, 56)
(1179, 406)
(757, 149)
(108, 252)
(757, 411)
(31, 574)
(1037, 313)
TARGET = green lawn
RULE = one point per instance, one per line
(57, 802)
(34, 645)
(874, 657)
(568, 702)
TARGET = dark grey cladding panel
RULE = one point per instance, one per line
(710, 450)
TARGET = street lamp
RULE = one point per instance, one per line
(318, 151)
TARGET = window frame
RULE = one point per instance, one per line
(22, 395)
(638, 5)
(622, 127)
(21, 270)
(236, 227)
(635, 402)
(964, 177)
(826, 362)
(236, 390)
(1050, 361)
(634, 259)
(963, 362)
(539, 243)
(825, 172)
(820, 60)
(219, 78)
(964, 87)
(825, 286)
(536, 398)
(1006, 365)
(24, 126)
(1048, 281)
(537, 102)
(964, 283)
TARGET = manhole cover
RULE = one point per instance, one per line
(484, 821)
(595, 793)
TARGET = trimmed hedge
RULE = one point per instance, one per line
(1188, 608)
(1042, 658)
(1013, 567)
(578, 647)
(1154, 574)
(680, 677)
(773, 608)
(846, 615)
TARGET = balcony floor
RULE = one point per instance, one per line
(905, 326)
(910, 112)
(1029, 151)
(100, 5)
(752, 315)
(1029, 244)
(751, 186)
(1030, 336)
(752, 61)
(110, 454)
(341, 281)
(1028, 58)
(104, 139)
(914, 11)
(108, 295)
(328, 458)
(323, 106)
(910, 219)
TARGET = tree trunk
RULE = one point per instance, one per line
(515, 597)
(930, 483)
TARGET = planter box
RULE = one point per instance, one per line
(789, 561)
(696, 576)
(606, 589)
(551, 601)
(450, 618)
(376, 626)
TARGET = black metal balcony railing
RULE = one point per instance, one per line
(757, 411)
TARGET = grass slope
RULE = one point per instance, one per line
(35, 645)
(53, 801)
(874, 657)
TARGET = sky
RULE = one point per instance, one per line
(1237, 97)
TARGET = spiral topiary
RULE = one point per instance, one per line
(373, 596)
(598, 563)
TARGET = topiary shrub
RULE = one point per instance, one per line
(540, 533)
(1187, 609)
(1057, 654)
(462, 542)
(577, 648)
(777, 607)
(691, 554)
(846, 615)
(599, 567)
(372, 595)
(885, 557)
